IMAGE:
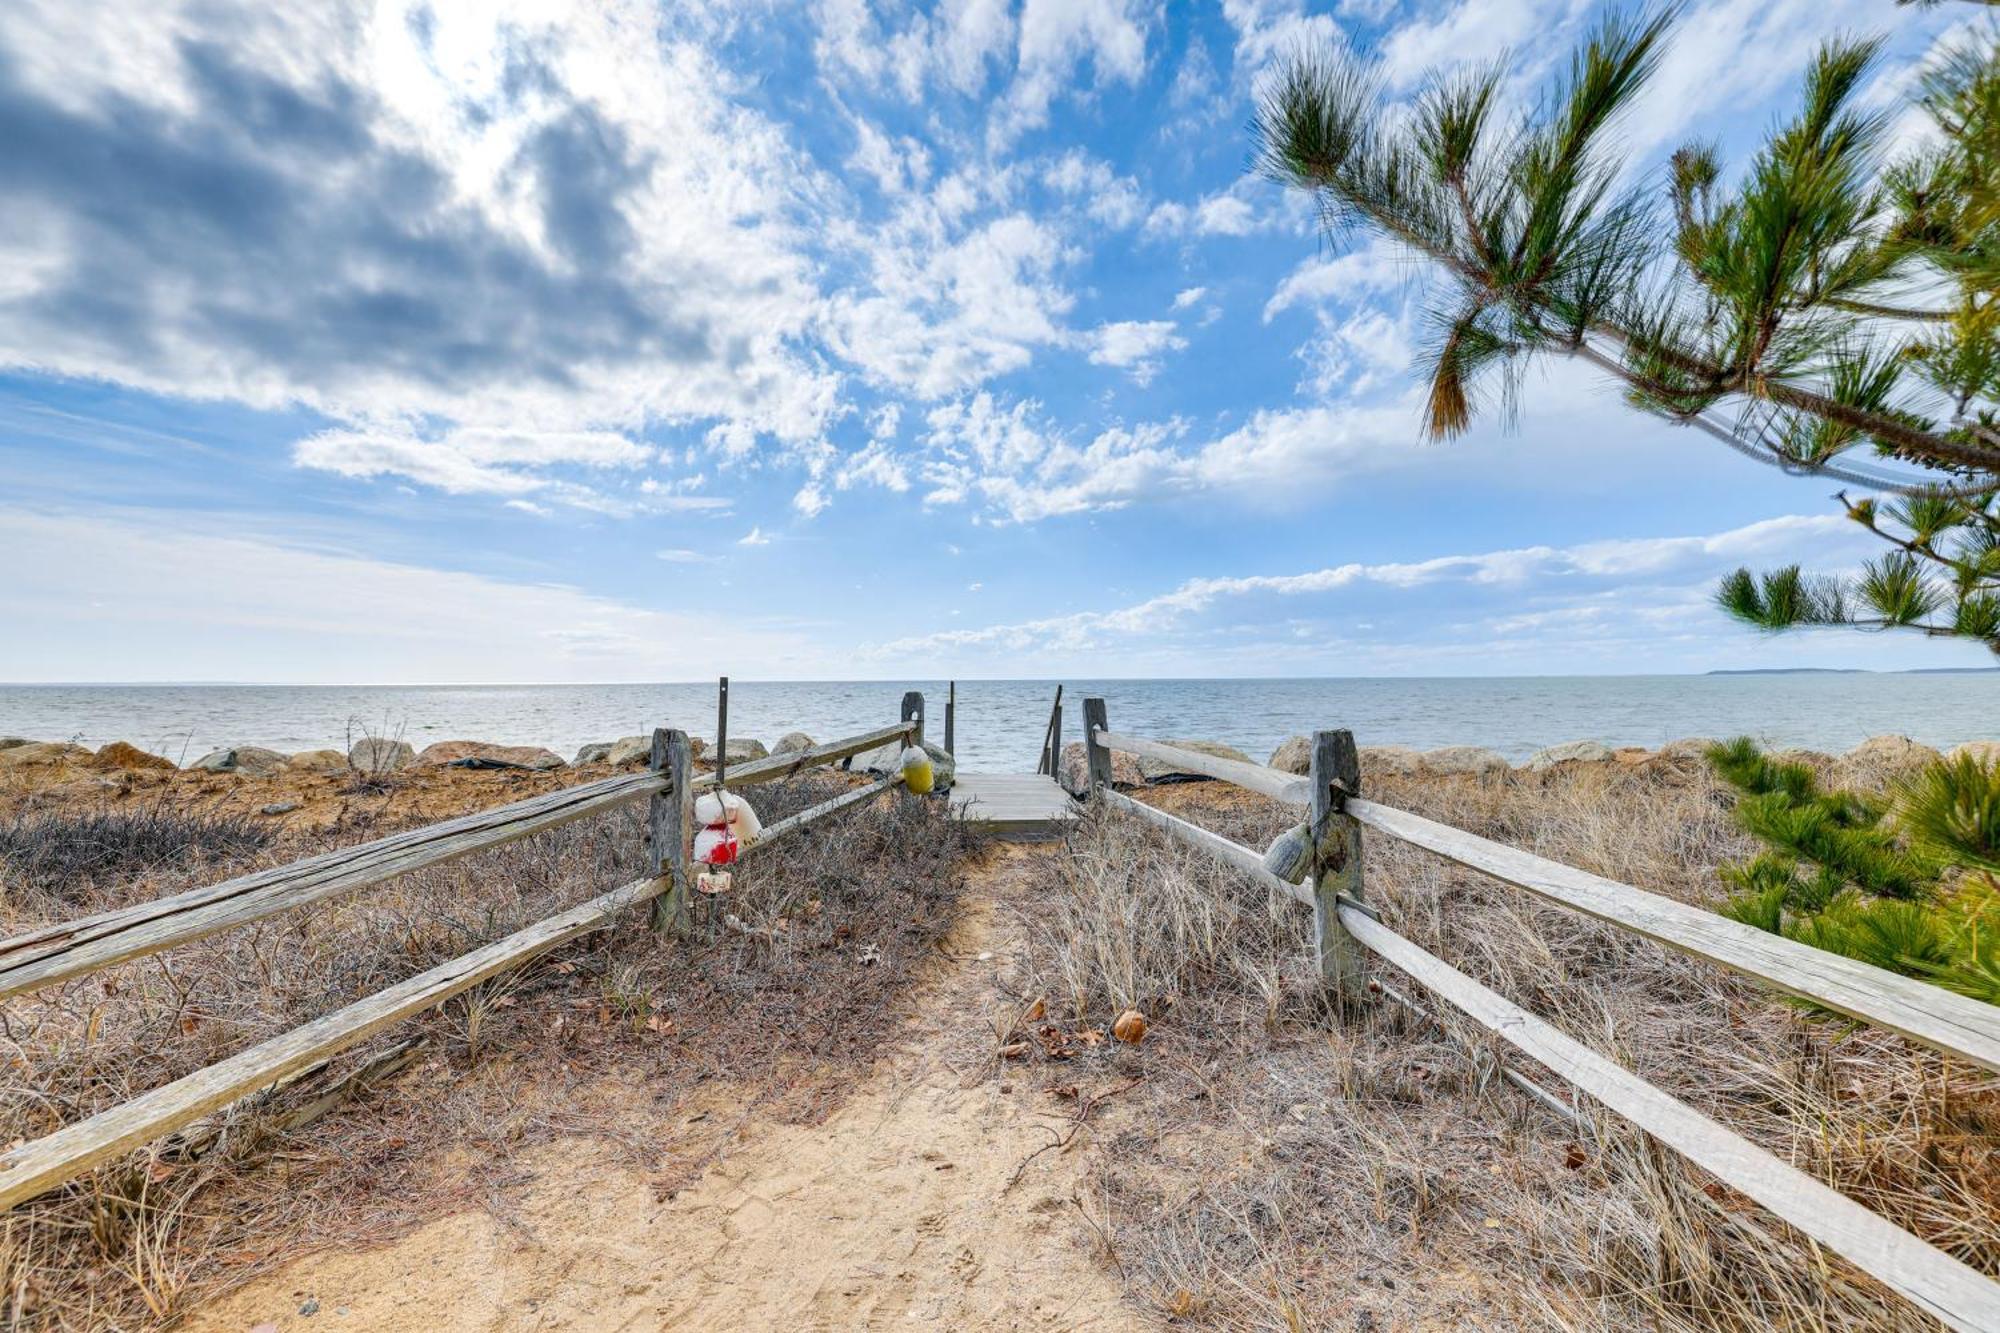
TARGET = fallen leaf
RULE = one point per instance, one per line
(1036, 1012)
(1573, 1156)
(1014, 1050)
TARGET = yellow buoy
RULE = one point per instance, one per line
(917, 773)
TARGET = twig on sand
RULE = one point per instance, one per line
(1085, 1104)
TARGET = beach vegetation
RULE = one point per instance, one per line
(1902, 881)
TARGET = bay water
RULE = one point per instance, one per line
(1000, 722)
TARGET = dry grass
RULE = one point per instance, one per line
(1280, 1170)
(604, 1037)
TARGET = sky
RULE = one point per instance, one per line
(521, 341)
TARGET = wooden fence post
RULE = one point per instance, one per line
(722, 731)
(1097, 759)
(951, 718)
(670, 826)
(1336, 775)
(913, 710)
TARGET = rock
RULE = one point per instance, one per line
(1073, 771)
(1631, 756)
(630, 750)
(1569, 752)
(328, 762)
(742, 749)
(250, 761)
(484, 754)
(1293, 755)
(597, 752)
(118, 754)
(1986, 753)
(1391, 761)
(886, 759)
(1158, 770)
(792, 742)
(37, 754)
(1473, 759)
(1891, 753)
(9, 742)
(1687, 747)
(279, 808)
(372, 756)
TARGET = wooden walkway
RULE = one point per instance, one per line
(1021, 807)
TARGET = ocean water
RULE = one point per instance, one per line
(1000, 722)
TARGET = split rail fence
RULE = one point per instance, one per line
(669, 787)
(1347, 929)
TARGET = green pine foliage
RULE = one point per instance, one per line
(1907, 885)
(1822, 302)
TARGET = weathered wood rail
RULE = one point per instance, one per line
(1346, 926)
(74, 948)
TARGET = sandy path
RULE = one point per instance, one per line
(895, 1212)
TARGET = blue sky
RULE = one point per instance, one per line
(517, 342)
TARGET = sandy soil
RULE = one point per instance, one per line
(902, 1207)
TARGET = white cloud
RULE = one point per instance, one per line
(1134, 345)
(1574, 574)
(682, 555)
(1187, 296)
(754, 537)
(216, 599)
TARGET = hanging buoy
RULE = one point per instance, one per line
(728, 824)
(918, 775)
(1289, 855)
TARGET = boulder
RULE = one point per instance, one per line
(1073, 771)
(251, 761)
(792, 742)
(1889, 752)
(742, 749)
(1293, 755)
(1986, 753)
(326, 762)
(118, 754)
(1631, 756)
(278, 808)
(9, 742)
(373, 756)
(1159, 770)
(597, 752)
(1687, 747)
(1389, 761)
(1569, 752)
(1473, 759)
(630, 750)
(484, 754)
(38, 754)
(886, 759)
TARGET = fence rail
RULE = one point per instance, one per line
(1929, 1278)
(68, 950)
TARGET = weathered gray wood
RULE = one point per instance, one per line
(670, 831)
(1025, 806)
(951, 718)
(775, 768)
(721, 731)
(1337, 858)
(913, 714)
(793, 823)
(56, 953)
(1097, 759)
(1055, 733)
(1222, 849)
(1927, 1277)
(1241, 858)
(1926, 1013)
(1266, 781)
(47, 1162)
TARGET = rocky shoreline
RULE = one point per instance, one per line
(376, 757)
